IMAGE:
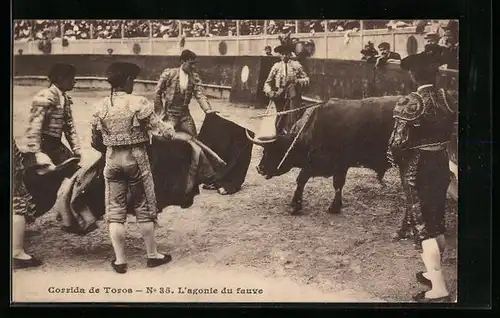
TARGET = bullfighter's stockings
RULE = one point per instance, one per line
(432, 260)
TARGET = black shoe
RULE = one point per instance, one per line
(155, 262)
(119, 268)
(422, 280)
(420, 297)
(209, 187)
(26, 263)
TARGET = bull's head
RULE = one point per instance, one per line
(273, 154)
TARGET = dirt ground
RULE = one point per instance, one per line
(247, 239)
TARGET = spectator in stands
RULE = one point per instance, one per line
(165, 28)
(136, 29)
(451, 53)
(268, 50)
(386, 55)
(22, 30)
(369, 53)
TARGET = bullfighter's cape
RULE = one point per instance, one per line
(229, 141)
(178, 168)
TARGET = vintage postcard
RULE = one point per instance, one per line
(235, 161)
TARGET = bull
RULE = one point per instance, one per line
(338, 135)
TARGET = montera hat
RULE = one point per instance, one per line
(283, 49)
(61, 69)
(187, 55)
(125, 69)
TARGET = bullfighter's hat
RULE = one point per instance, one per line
(428, 60)
(187, 55)
(118, 72)
(283, 49)
(61, 69)
(123, 69)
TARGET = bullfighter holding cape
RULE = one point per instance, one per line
(40, 154)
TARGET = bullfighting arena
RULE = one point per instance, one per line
(246, 240)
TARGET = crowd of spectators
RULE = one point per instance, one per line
(447, 49)
(114, 29)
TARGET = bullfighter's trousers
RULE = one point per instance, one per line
(22, 201)
(127, 174)
(426, 177)
(289, 99)
(182, 122)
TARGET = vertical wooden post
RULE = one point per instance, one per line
(296, 26)
(326, 39)
(238, 37)
(393, 40)
(265, 33)
(150, 37)
(31, 44)
(61, 29)
(207, 31)
(123, 31)
(361, 30)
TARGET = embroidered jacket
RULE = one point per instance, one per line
(170, 100)
(125, 119)
(282, 73)
(51, 115)
(423, 119)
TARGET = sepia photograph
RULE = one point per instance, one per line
(234, 161)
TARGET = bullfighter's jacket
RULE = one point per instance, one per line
(51, 115)
(282, 74)
(423, 126)
(422, 119)
(172, 100)
(125, 119)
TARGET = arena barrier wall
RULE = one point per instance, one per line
(244, 76)
(241, 78)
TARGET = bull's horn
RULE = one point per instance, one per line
(258, 141)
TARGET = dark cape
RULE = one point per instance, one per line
(178, 169)
(229, 141)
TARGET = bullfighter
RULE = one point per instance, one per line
(120, 130)
(283, 85)
(174, 91)
(423, 127)
(51, 117)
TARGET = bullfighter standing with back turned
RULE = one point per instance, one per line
(174, 91)
(423, 127)
(120, 130)
(283, 85)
